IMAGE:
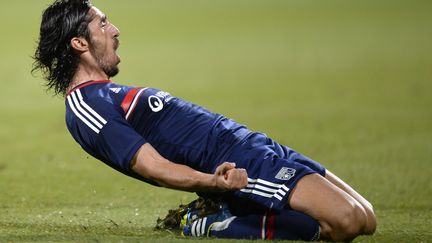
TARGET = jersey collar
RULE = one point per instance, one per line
(87, 83)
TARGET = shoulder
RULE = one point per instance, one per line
(102, 95)
(85, 113)
(92, 106)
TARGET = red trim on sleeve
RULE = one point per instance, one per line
(127, 101)
(270, 225)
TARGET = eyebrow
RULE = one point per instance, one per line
(103, 18)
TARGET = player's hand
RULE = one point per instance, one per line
(230, 178)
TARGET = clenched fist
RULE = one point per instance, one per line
(230, 178)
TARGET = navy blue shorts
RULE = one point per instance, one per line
(273, 171)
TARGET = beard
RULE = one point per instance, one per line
(109, 68)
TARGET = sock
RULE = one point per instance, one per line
(288, 225)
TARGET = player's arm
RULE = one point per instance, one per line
(148, 163)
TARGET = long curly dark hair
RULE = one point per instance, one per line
(54, 56)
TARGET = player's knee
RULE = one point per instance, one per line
(371, 221)
(350, 223)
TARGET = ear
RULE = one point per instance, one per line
(79, 44)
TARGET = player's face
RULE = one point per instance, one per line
(104, 42)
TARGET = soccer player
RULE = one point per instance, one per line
(269, 190)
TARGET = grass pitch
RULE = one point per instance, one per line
(347, 83)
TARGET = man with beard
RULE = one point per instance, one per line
(267, 190)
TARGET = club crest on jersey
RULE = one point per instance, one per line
(285, 173)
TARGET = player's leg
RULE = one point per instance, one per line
(340, 215)
(332, 211)
(315, 166)
(287, 225)
(371, 219)
(236, 218)
(279, 176)
(257, 223)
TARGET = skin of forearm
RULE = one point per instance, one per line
(149, 164)
(181, 177)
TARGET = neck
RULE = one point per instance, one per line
(85, 73)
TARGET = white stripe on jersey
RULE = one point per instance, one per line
(89, 108)
(83, 113)
(81, 117)
(132, 106)
(265, 188)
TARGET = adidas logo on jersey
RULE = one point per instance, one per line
(115, 90)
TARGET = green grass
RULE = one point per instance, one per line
(347, 83)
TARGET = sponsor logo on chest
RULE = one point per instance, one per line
(155, 101)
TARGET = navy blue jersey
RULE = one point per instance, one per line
(111, 122)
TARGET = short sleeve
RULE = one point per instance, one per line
(101, 130)
(118, 142)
